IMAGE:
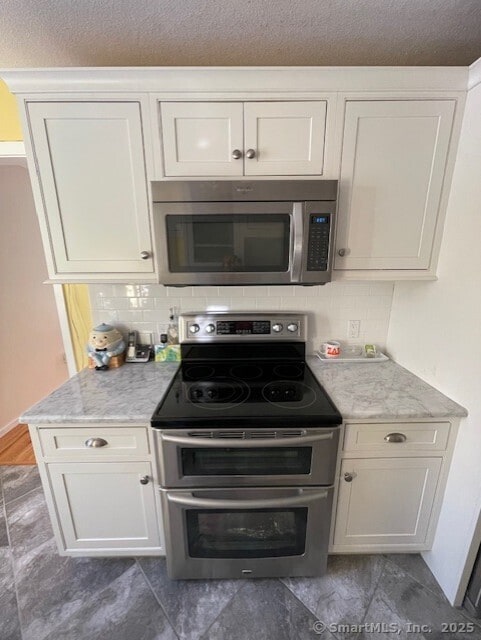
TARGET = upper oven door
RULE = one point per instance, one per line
(226, 243)
(252, 458)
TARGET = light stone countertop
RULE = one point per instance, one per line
(127, 394)
(381, 390)
(130, 394)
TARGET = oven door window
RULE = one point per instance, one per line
(231, 242)
(262, 461)
(246, 533)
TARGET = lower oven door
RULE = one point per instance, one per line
(255, 457)
(242, 533)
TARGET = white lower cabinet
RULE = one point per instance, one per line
(100, 484)
(386, 501)
(391, 480)
(105, 505)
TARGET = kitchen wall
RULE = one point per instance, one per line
(31, 348)
(146, 307)
(10, 129)
(435, 332)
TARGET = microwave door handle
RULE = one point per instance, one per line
(237, 444)
(188, 500)
(297, 241)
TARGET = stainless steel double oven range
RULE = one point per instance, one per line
(247, 447)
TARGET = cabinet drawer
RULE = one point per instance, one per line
(79, 442)
(426, 436)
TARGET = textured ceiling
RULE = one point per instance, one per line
(40, 33)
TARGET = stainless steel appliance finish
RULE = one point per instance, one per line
(251, 457)
(234, 327)
(239, 232)
(247, 444)
(247, 533)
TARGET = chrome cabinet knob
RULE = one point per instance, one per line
(210, 328)
(145, 255)
(348, 477)
(144, 480)
(277, 328)
(236, 154)
(96, 442)
(292, 327)
(194, 328)
(395, 437)
(250, 153)
(341, 252)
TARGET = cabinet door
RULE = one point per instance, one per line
(103, 505)
(286, 137)
(388, 502)
(92, 174)
(201, 138)
(392, 169)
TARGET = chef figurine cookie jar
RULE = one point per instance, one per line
(105, 348)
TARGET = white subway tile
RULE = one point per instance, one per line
(243, 304)
(140, 303)
(281, 291)
(107, 316)
(116, 303)
(166, 303)
(179, 292)
(192, 304)
(231, 292)
(268, 304)
(206, 291)
(255, 292)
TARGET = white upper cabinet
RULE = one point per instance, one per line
(202, 138)
(236, 139)
(92, 184)
(394, 156)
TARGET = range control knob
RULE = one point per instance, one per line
(210, 328)
(194, 328)
(292, 327)
(277, 328)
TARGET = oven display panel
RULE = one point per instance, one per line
(243, 327)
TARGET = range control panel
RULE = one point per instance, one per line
(226, 327)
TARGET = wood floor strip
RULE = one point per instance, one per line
(16, 447)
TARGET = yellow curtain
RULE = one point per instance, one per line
(10, 129)
(77, 302)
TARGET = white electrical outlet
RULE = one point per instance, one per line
(353, 327)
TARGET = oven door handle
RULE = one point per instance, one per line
(297, 241)
(188, 500)
(245, 444)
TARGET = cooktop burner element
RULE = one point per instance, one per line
(288, 371)
(244, 379)
(199, 372)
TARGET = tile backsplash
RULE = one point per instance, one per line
(330, 307)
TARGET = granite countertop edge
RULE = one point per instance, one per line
(129, 395)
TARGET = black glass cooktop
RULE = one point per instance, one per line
(240, 392)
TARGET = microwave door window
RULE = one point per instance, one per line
(220, 243)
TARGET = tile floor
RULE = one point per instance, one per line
(47, 597)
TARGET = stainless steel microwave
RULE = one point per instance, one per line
(244, 233)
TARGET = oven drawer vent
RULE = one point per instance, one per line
(247, 435)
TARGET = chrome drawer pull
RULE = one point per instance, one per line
(144, 480)
(96, 442)
(395, 437)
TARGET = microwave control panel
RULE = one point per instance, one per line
(318, 243)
